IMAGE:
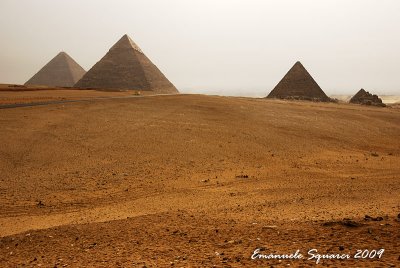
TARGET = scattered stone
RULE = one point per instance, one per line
(269, 227)
(40, 204)
(17, 86)
(350, 223)
(369, 218)
(93, 245)
(345, 222)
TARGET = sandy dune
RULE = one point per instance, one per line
(191, 180)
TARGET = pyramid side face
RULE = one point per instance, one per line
(298, 84)
(126, 67)
(156, 79)
(118, 69)
(76, 71)
(359, 95)
(61, 71)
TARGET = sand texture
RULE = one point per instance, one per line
(197, 181)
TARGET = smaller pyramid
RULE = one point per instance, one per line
(61, 71)
(125, 66)
(366, 98)
(298, 84)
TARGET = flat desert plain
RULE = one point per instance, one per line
(199, 181)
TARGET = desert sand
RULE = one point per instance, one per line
(17, 94)
(196, 181)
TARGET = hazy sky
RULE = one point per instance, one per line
(230, 47)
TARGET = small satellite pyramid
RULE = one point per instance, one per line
(125, 66)
(61, 71)
(366, 98)
(298, 84)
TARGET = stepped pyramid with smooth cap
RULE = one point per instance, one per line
(61, 71)
(298, 84)
(125, 66)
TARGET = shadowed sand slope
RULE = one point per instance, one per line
(61, 71)
(184, 177)
(125, 66)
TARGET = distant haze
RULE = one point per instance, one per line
(227, 47)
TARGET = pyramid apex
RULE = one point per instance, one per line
(362, 92)
(62, 53)
(125, 36)
(299, 64)
(126, 42)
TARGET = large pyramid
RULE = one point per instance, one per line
(61, 71)
(298, 84)
(125, 66)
